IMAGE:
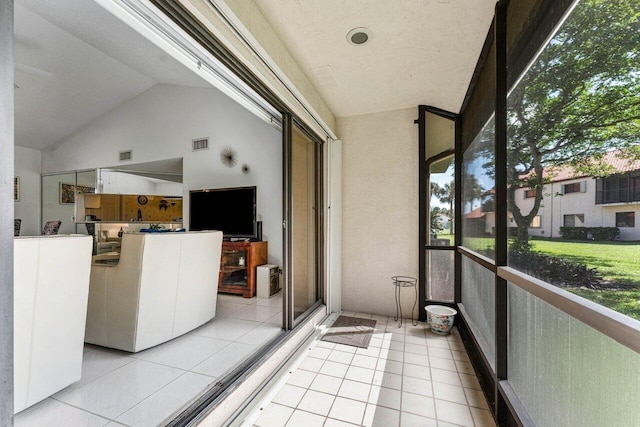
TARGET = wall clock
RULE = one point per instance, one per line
(142, 200)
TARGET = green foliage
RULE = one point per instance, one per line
(590, 233)
(436, 218)
(556, 270)
(578, 100)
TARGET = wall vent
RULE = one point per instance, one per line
(126, 155)
(200, 144)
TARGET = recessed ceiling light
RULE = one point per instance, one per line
(359, 36)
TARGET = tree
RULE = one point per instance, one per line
(436, 218)
(446, 194)
(578, 100)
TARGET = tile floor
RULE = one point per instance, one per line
(407, 377)
(143, 389)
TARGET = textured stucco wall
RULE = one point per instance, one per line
(380, 209)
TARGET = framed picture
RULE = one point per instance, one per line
(68, 192)
(16, 188)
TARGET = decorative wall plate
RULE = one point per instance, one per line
(142, 200)
(229, 157)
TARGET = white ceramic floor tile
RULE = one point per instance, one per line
(390, 366)
(440, 363)
(465, 367)
(354, 390)
(444, 376)
(387, 397)
(326, 384)
(167, 401)
(482, 418)
(311, 364)
(476, 398)
(364, 361)
(224, 360)
(453, 413)
(417, 386)
(340, 357)
(334, 369)
(348, 410)
(386, 379)
(417, 359)
(449, 392)
(120, 390)
(306, 419)
(274, 416)
(325, 344)
(415, 371)
(316, 402)
(434, 341)
(379, 416)
(289, 395)
(418, 405)
(320, 353)
(225, 328)
(345, 348)
(184, 352)
(412, 420)
(301, 378)
(443, 353)
(96, 363)
(260, 335)
(460, 355)
(470, 381)
(371, 351)
(363, 375)
(52, 413)
(255, 313)
(330, 422)
(416, 348)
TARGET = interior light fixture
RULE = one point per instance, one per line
(359, 36)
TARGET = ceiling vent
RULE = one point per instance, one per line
(200, 144)
(126, 155)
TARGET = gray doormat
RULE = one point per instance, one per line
(352, 331)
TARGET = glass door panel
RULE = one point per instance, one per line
(304, 222)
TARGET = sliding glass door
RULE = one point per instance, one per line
(303, 207)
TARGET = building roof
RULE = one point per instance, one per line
(613, 158)
(474, 214)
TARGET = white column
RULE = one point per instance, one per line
(6, 212)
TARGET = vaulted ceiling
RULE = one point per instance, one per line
(74, 62)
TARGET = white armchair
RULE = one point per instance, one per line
(164, 285)
(51, 286)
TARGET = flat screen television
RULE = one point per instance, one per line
(230, 210)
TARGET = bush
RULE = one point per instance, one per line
(590, 233)
(557, 271)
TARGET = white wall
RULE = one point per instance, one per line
(161, 123)
(28, 163)
(380, 209)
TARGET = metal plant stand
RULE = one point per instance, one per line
(405, 282)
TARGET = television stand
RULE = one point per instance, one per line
(238, 267)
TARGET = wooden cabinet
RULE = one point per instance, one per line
(238, 267)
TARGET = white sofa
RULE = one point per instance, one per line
(164, 285)
(51, 286)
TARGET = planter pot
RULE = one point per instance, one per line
(440, 318)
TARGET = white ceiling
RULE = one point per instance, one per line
(74, 62)
(420, 52)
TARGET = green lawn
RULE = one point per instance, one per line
(617, 262)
